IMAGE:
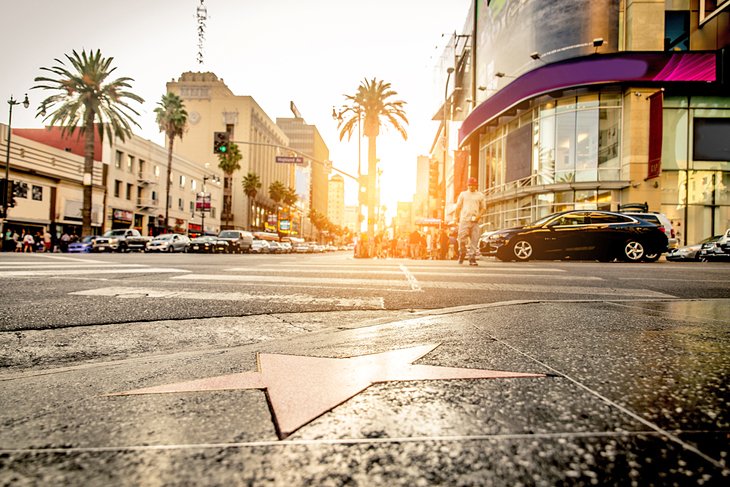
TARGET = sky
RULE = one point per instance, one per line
(311, 52)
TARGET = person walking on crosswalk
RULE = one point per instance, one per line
(471, 205)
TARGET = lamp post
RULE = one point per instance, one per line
(11, 102)
(204, 208)
(449, 71)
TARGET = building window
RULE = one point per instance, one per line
(130, 164)
(142, 166)
(192, 207)
(129, 192)
(37, 193)
(154, 195)
(118, 160)
(182, 181)
(117, 188)
(157, 170)
(193, 184)
(180, 204)
(676, 30)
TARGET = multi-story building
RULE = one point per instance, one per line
(421, 198)
(593, 105)
(306, 139)
(129, 191)
(336, 201)
(212, 107)
(50, 182)
(351, 218)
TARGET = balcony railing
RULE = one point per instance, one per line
(146, 177)
(147, 203)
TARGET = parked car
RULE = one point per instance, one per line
(285, 247)
(82, 246)
(275, 247)
(168, 242)
(259, 246)
(582, 234)
(691, 252)
(207, 244)
(718, 249)
(120, 240)
(239, 241)
(485, 245)
(641, 210)
(302, 248)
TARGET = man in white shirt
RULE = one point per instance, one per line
(470, 207)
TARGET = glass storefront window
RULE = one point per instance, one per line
(546, 147)
(588, 101)
(565, 147)
(586, 146)
(608, 143)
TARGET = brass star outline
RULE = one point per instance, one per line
(299, 389)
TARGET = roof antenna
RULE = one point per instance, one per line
(202, 16)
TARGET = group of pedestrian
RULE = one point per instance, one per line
(41, 241)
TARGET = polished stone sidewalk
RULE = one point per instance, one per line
(621, 392)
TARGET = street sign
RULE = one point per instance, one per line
(289, 160)
(202, 202)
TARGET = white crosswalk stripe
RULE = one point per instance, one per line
(69, 266)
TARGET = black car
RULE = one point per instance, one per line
(582, 234)
(208, 244)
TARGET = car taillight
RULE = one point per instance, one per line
(662, 229)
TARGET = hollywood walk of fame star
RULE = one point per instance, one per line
(300, 389)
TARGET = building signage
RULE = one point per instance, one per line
(202, 202)
(123, 216)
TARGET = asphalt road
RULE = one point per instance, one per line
(137, 369)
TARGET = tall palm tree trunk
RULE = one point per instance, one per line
(88, 173)
(167, 192)
(372, 169)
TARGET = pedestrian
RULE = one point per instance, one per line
(470, 207)
(28, 242)
(64, 242)
(414, 240)
(443, 244)
(8, 241)
(46, 240)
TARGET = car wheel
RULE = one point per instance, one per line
(652, 257)
(122, 248)
(170, 249)
(632, 251)
(522, 250)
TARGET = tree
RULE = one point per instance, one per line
(277, 190)
(84, 96)
(290, 196)
(251, 185)
(172, 119)
(371, 106)
(229, 162)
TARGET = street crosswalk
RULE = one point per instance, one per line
(344, 283)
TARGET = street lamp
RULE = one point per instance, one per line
(11, 102)
(449, 72)
(204, 208)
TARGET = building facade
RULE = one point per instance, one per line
(336, 200)
(213, 107)
(129, 189)
(594, 105)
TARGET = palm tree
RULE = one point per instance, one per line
(85, 95)
(251, 185)
(229, 162)
(173, 121)
(371, 106)
(290, 196)
(277, 190)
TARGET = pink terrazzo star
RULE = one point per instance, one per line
(300, 389)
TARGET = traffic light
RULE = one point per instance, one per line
(14, 191)
(433, 180)
(5, 191)
(220, 142)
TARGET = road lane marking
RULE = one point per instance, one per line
(394, 285)
(76, 272)
(411, 278)
(137, 293)
(516, 268)
(72, 265)
(471, 273)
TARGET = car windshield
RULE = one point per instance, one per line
(88, 239)
(163, 237)
(541, 221)
(114, 233)
(228, 235)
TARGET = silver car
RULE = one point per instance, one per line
(168, 242)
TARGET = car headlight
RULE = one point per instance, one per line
(498, 236)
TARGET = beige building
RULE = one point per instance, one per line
(213, 107)
(336, 203)
(350, 217)
(129, 185)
